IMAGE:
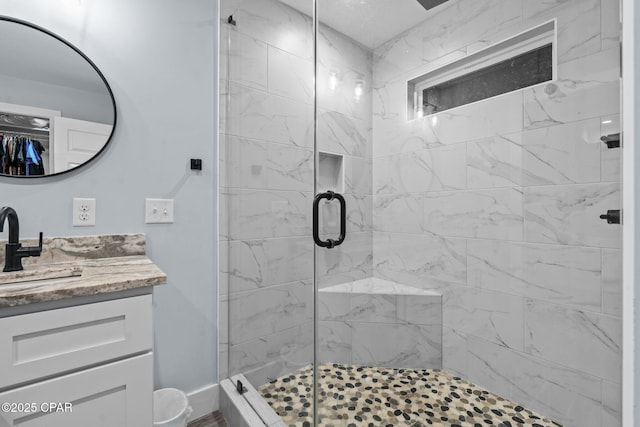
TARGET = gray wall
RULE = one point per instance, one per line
(160, 58)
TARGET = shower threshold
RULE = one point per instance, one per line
(355, 396)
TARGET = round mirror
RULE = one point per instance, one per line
(57, 111)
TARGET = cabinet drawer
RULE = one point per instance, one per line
(118, 394)
(47, 343)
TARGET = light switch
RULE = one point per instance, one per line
(158, 211)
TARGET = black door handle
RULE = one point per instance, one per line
(612, 216)
(329, 243)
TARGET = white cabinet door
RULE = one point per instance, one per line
(119, 394)
(75, 142)
(48, 343)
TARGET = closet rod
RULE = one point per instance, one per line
(25, 133)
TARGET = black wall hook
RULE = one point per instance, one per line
(196, 164)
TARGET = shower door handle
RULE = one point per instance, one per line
(329, 243)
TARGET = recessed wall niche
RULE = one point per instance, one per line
(331, 172)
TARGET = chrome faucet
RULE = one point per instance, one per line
(14, 251)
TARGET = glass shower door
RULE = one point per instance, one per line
(266, 193)
(344, 70)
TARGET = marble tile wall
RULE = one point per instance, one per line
(496, 205)
(267, 173)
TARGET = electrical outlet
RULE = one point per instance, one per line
(158, 211)
(84, 212)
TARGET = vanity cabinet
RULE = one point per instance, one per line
(96, 357)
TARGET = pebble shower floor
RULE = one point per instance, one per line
(357, 396)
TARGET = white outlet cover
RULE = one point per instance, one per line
(158, 211)
(84, 212)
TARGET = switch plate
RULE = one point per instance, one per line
(84, 212)
(158, 211)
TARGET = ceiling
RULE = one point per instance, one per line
(370, 22)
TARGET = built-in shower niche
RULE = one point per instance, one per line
(330, 178)
(331, 172)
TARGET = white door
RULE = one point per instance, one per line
(75, 142)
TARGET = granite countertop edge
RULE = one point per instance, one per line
(98, 276)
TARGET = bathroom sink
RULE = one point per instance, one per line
(44, 273)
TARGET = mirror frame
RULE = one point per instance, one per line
(96, 69)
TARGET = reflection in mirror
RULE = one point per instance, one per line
(57, 111)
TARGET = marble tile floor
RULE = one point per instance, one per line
(355, 396)
(212, 420)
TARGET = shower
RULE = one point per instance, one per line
(386, 263)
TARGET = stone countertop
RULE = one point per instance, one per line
(102, 269)
(96, 277)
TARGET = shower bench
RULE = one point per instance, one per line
(375, 322)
